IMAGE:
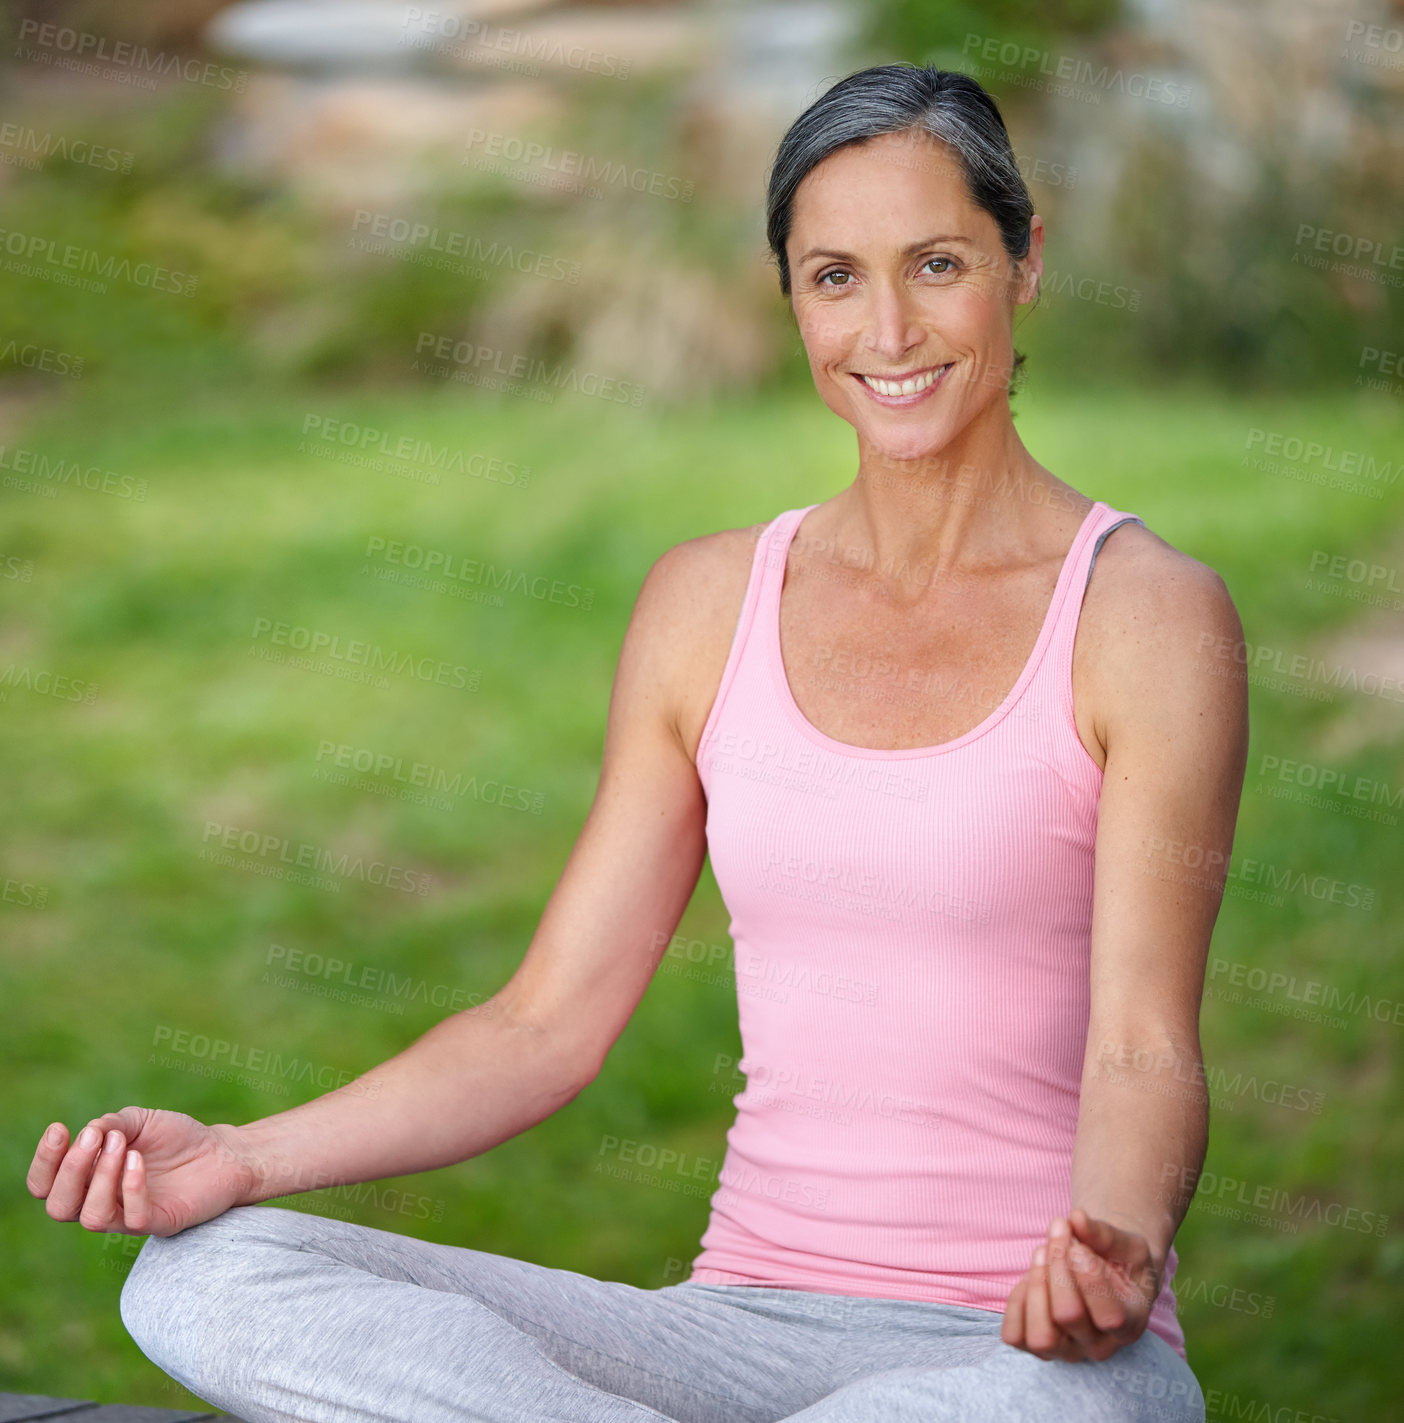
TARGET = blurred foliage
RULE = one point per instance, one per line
(281, 294)
(928, 33)
(158, 24)
(1222, 290)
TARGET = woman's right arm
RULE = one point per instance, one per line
(488, 1073)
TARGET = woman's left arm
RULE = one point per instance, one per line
(1172, 713)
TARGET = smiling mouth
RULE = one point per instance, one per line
(904, 387)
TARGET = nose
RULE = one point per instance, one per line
(893, 329)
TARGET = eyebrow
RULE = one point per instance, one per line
(910, 249)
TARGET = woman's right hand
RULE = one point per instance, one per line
(141, 1171)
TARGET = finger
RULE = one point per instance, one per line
(1105, 1238)
(1012, 1329)
(1101, 1289)
(70, 1185)
(1040, 1292)
(1124, 1248)
(1068, 1309)
(1041, 1335)
(100, 1209)
(47, 1157)
(1100, 1234)
(135, 1201)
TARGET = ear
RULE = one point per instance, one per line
(1031, 268)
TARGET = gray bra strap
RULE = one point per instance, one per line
(1097, 547)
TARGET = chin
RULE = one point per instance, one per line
(915, 443)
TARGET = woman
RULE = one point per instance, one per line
(909, 726)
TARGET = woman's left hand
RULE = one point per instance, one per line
(1087, 1294)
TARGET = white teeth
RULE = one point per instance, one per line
(903, 387)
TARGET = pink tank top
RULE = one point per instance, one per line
(912, 934)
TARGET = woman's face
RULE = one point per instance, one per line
(897, 275)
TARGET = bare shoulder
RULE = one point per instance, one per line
(1159, 632)
(687, 610)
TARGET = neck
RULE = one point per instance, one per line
(978, 500)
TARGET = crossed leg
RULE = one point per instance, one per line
(281, 1316)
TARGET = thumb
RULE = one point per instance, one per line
(1106, 1239)
(1126, 1248)
(129, 1121)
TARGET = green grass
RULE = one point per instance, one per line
(155, 603)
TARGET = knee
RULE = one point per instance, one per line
(1154, 1384)
(1143, 1382)
(178, 1296)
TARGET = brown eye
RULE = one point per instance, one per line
(946, 260)
(835, 273)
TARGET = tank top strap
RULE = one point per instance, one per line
(778, 536)
(761, 600)
(1055, 667)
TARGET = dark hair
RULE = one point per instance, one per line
(893, 98)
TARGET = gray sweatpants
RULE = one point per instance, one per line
(278, 1315)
